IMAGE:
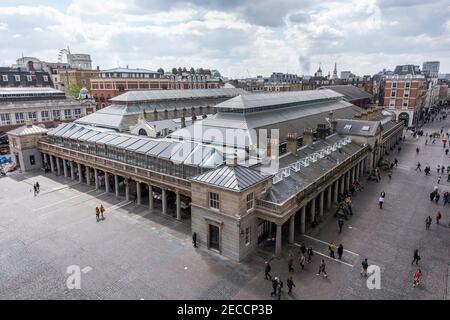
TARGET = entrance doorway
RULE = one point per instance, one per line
(214, 237)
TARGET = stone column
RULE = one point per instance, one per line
(357, 171)
(313, 209)
(291, 229)
(66, 175)
(348, 180)
(329, 197)
(352, 175)
(127, 190)
(52, 165)
(72, 171)
(336, 190)
(80, 176)
(278, 239)
(138, 192)
(150, 197)
(178, 206)
(303, 220)
(342, 183)
(96, 178)
(88, 175)
(164, 201)
(116, 185)
(321, 204)
(58, 166)
(107, 186)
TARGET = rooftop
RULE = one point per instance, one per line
(350, 92)
(357, 127)
(234, 178)
(27, 130)
(126, 70)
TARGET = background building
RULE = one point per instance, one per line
(431, 69)
(18, 77)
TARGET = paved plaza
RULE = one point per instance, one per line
(140, 254)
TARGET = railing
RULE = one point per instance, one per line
(114, 165)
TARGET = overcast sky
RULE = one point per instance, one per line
(239, 38)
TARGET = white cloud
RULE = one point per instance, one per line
(3, 26)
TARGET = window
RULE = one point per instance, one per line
(67, 114)
(406, 95)
(407, 84)
(392, 103)
(17, 77)
(32, 160)
(45, 78)
(19, 117)
(405, 103)
(214, 202)
(247, 236)
(77, 113)
(250, 197)
(347, 127)
(56, 114)
(32, 116)
(365, 128)
(394, 84)
(5, 77)
(44, 116)
(29, 78)
(5, 118)
(393, 93)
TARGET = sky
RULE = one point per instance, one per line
(238, 38)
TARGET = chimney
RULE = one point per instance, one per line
(98, 68)
(204, 116)
(364, 115)
(331, 116)
(194, 117)
(291, 141)
(333, 125)
(322, 131)
(183, 122)
(307, 136)
(232, 160)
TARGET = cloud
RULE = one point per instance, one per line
(237, 37)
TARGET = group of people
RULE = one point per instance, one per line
(99, 211)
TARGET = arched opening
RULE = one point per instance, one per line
(142, 132)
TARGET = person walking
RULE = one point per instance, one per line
(380, 202)
(102, 210)
(279, 287)
(37, 187)
(437, 197)
(438, 168)
(416, 278)
(290, 284)
(390, 175)
(274, 286)
(332, 249)
(382, 194)
(340, 251)
(428, 222)
(418, 167)
(310, 254)
(340, 224)
(322, 269)
(97, 214)
(416, 257)
(302, 261)
(267, 271)
(438, 217)
(303, 248)
(396, 162)
(194, 239)
(290, 262)
(439, 179)
(365, 265)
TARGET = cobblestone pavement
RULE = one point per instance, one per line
(137, 254)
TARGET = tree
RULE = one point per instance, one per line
(192, 70)
(73, 90)
(174, 70)
(180, 71)
(161, 70)
(184, 70)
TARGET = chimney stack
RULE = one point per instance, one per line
(194, 117)
(308, 136)
(322, 131)
(183, 122)
(232, 160)
(291, 141)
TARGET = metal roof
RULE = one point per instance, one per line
(357, 127)
(257, 100)
(234, 178)
(350, 92)
(26, 130)
(160, 95)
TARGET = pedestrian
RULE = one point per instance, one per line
(438, 168)
(135, 197)
(396, 162)
(35, 189)
(340, 224)
(267, 271)
(380, 202)
(194, 239)
(365, 265)
(416, 257)
(417, 150)
(279, 287)
(428, 222)
(340, 251)
(303, 248)
(416, 278)
(310, 254)
(290, 284)
(102, 210)
(37, 186)
(418, 167)
(446, 152)
(438, 217)
(382, 194)
(290, 262)
(437, 197)
(97, 214)
(322, 269)
(274, 286)
(390, 175)
(332, 249)
(302, 261)
(439, 179)
(442, 169)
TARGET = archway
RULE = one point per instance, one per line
(404, 116)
